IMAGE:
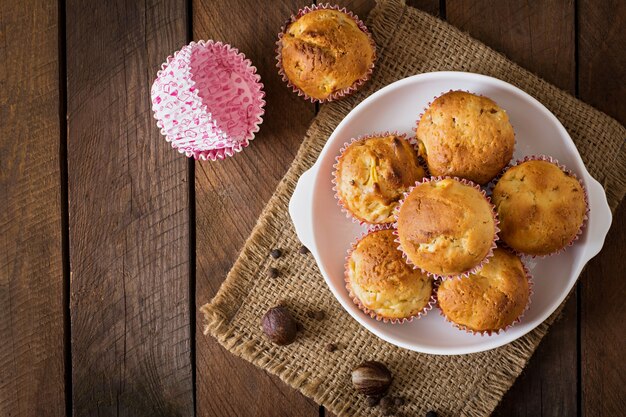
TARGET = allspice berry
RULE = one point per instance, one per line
(279, 325)
(371, 378)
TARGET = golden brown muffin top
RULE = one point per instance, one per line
(381, 279)
(489, 300)
(372, 175)
(541, 207)
(446, 227)
(466, 136)
(325, 51)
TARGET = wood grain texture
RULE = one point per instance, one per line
(230, 196)
(129, 215)
(602, 55)
(602, 82)
(31, 272)
(540, 36)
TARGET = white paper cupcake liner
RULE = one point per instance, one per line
(429, 306)
(208, 100)
(337, 94)
(495, 220)
(563, 168)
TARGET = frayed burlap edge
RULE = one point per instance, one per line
(384, 20)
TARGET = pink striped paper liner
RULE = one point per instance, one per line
(429, 306)
(419, 119)
(565, 170)
(495, 220)
(191, 89)
(335, 181)
(337, 94)
(519, 318)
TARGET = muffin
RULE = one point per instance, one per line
(446, 227)
(466, 136)
(490, 300)
(324, 53)
(382, 284)
(372, 175)
(541, 207)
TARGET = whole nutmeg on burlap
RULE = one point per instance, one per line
(279, 325)
(371, 378)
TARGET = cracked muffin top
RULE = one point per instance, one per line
(324, 52)
(381, 280)
(446, 227)
(373, 174)
(541, 207)
(489, 300)
(465, 135)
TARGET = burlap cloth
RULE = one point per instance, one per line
(409, 42)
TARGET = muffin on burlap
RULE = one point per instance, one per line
(465, 135)
(541, 207)
(446, 227)
(372, 174)
(382, 284)
(489, 300)
(324, 53)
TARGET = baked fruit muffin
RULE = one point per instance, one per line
(324, 53)
(446, 227)
(489, 300)
(373, 173)
(465, 135)
(382, 284)
(541, 207)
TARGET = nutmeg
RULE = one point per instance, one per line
(371, 378)
(279, 325)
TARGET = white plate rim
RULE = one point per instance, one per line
(301, 202)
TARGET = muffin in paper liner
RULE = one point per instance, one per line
(421, 114)
(208, 100)
(373, 314)
(337, 94)
(470, 271)
(519, 318)
(335, 180)
(570, 173)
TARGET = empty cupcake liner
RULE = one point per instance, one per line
(337, 94)
(419, 118)
(335, 180)
(429, 306)
(495, 220)
(208, 100)
(519, 318)
(563, 168)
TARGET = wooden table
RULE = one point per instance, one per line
(110, 240)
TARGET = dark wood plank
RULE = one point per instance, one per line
(541, 37)
(129, 215)
(602, 82)
(230, 196)
(31, 271)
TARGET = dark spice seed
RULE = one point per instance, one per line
(398, 401)
(316, 314)
(276, 253)
(386, 402)
(299, 327)
(331, 347)
(273, 273)
(431, 414)
(372, 401)
(303, 250)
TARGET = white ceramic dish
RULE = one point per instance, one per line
(325, 230)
